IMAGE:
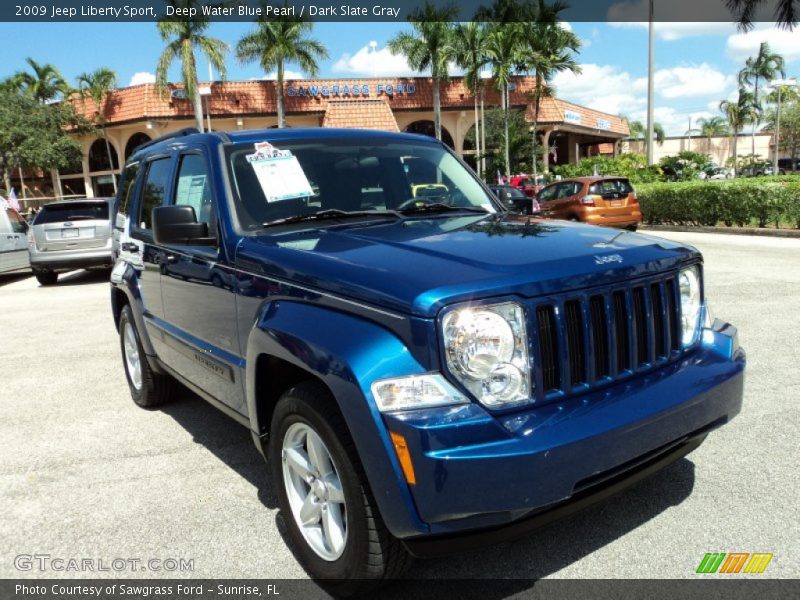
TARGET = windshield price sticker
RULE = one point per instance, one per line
(279, 173)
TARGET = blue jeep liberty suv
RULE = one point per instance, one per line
(423, 371)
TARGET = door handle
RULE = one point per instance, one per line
(171, 259)
(130, 247)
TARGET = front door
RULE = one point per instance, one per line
(13, 242)
(198, 293)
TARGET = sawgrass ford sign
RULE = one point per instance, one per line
(360, 90)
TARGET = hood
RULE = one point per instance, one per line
(417, 266)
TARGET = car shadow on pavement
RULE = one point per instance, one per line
(7, 278)
(83, 277)
(225, 438)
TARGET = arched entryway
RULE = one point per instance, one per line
(136, 140)
(103, 168)
(425, 127)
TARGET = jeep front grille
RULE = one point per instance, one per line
(587, 339)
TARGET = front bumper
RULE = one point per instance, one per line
(475, 470)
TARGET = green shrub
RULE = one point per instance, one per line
(632, 166)
(760, 201)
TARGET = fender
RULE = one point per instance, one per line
(347, 353)
(126, 279)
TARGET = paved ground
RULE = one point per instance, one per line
(85, 473)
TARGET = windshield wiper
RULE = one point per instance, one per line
(333, 213)
(442, 207)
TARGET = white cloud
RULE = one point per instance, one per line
(602, 87)
(368, 63)
(142, 77)
(740, 46)
(287, 75)
(689, 82)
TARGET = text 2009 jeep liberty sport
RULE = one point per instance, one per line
(422, 373)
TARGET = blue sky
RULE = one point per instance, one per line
(696, 63)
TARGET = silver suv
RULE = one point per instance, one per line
(71, 234)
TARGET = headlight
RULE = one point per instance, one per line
(691, 305)
(486, 348)
(415, 391)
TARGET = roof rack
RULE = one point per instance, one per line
(175, 134)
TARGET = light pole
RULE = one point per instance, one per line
(650, 52)
(779, 83)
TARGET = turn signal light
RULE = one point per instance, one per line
(589, 200)
(401, 448)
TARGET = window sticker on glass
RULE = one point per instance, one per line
(279, 174)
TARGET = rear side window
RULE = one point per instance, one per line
(155, 189)
(72, 211)
(611, 186)
(548, 193)
(128, 183)
(17, 224)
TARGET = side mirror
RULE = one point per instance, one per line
(179, 225)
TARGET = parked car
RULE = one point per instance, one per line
(13, 241)
(528, 183)
(71, 234)
(787, 166)
(758, 169)
(515, 199)
(715, 173)
(422, 377)
(595, 200)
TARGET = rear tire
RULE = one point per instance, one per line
(370, 554)
(632, 227)
(148, 388)
(46, 277)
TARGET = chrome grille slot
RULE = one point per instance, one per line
(597, 310)
(548, 348)
(575, 342)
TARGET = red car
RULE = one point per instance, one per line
(527, 183)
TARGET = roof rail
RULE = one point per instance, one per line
(175, 134)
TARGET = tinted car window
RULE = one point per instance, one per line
(72, 211)
(128, 181)
(155, 188)
(610, 186)
(193, 187)
(548, 193)
(18, 225)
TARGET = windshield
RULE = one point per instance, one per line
(346, 175)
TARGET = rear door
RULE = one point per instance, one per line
(13, 241)
(547, 198)
(72, 225)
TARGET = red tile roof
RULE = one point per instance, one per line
(243, 98)
(360, 114)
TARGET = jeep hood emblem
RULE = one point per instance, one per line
(608, 259)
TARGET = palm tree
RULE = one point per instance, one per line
(277, 41)
(470, 55)
(45, 83)
(97, 85)
(429, 46)
(548, 49)
(505, 53)
(182, 38)
(765, 65)
(744, 10)
(638, 131)
(708, 128)
(738, 114)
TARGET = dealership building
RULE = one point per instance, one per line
(567, 132)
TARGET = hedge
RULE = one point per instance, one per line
(757, 201)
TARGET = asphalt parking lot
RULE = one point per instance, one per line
(85, 473)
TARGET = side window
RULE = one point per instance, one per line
(548, 193)
(128, 183)
(155, 188)
(193, 187)
(17, 224)
(565, 189)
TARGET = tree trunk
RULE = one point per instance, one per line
(7, 181)
(505, 127)
(437, 108)
(110, 160)
(22, 183)
(755, 124)
(279, 97)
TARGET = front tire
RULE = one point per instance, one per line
(148, 388)
(333, 523)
